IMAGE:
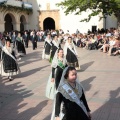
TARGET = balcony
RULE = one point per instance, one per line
(17, 6)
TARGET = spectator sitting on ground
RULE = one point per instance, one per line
(105, 44)
(116, 47)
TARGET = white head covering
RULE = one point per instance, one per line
(71, 46)
(63, 92)
(64, 81)
(55, 60)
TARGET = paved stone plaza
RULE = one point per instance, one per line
(24, 97)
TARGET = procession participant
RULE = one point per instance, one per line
(26, 39)
(55, 45)
(34, 40)
(19, 46)
(71, 54)
(70, 102)
(47, 47)
(58, 65)
(9, 65)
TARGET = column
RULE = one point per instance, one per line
(2, 26)
(16, 26)
(26, 26)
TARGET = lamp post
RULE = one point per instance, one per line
(105, 17)
(106, 2)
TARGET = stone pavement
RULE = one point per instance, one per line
(24, 97)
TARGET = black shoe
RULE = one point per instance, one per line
(10, 79)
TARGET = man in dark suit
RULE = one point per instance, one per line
(26, 39)
(13, 38)
(34, 40)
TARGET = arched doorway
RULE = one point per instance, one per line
(8, 23)
(22, 23)
(49, 23)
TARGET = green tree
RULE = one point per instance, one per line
(106, 7)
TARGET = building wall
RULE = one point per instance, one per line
(48, 8)
(72, 22)
(111, 22)
(15, 19)
(34, 17)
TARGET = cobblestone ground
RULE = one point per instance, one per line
(24, 97)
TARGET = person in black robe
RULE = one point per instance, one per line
(71, 54)
(47, 47)
(26, 39)
(9, 65)
(19, 46)
(70, 103)
(55, 45)
(34, 40)
(58, 65)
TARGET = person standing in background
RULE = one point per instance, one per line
(34, 40)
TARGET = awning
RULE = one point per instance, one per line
(3, 1)
(27, 5)
(14, 3)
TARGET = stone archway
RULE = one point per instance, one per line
(49, 23)
(9, 22)
(22, 23)
(53, 14)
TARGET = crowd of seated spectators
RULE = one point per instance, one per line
(108, 42)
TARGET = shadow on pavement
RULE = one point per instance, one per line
(111, 109)
(30, 72)
(86, 65)
(86, 83)
(30, 58)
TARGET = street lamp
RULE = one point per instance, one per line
(105, 17)
(106, 2)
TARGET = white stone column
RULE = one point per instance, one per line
(26, 26)
(2, 26)
(16, 26)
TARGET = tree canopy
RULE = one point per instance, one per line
(106, 7)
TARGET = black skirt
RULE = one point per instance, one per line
(58, 76)
(9, 64)
(20, 47)
(70, 109)
(47, 48)
(54, 48)
(71, 59)
(73, 112)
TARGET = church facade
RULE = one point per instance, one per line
(35, 14)
(14, 15)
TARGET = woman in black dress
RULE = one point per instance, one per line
(71, 54)
(47, 48)
(58, 65)
(71, 96)
(55, 45)
(19, 46)
(9, 65)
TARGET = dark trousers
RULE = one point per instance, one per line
(26, 44)
(34, 45)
